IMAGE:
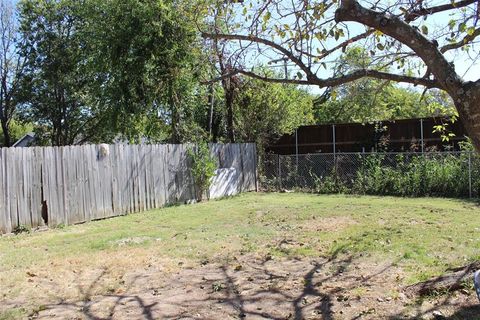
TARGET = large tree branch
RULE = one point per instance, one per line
(252, 74)
(411, 16)
(276, 46)
(358, 74)
(466, 40)
(444, 72)
(335, 81)
(344, 44)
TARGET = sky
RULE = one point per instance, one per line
(463, 63)
(467, 67)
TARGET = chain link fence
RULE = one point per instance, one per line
(443, 174)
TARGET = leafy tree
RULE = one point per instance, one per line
(143, 59)
(11, 65)
(17, 130)
(367, 99)
(97, 71)
(265, 111)
(404, 35)
(54, 84)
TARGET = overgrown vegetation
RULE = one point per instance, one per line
(414, 175)
(203, 168)
(417, 175)
(130, 70)
(395, 174)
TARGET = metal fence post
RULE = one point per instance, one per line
(279, 173)
(470, 174)
(421, 135)
(334, 149)
(296, 157)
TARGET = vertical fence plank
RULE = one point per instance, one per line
(21, 190)
(11, 186)
(129, 174)
(149, 177)
(70, 192)
(170, 174)
(160, 177)
(115, 177)
(5, 224)
(36, 188)
(107, 167)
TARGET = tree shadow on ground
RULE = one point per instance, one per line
(288, 289)
(255, 287)
(446, 301)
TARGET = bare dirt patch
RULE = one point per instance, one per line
(252, 287)
(330, 224)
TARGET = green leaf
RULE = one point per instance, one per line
(451, 24)
(424, 29)
(267, 16)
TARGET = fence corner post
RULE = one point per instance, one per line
(470, 174)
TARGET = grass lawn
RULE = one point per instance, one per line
(361, 251)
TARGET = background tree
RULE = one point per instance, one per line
(53, 83)
(265, 111)
(145, 59)
(310, 34)
(99, 71)
(11, 66)
(369, 99)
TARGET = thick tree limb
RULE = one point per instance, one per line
(377, 75)
(351, 10)
(335, 81)
(266, 42)
(467, 39)
(411, 16)
(252, 74)
(346, 43)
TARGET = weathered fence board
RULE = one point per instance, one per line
(67, 185)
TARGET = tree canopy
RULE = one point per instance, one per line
(102, 70)
(418, 40)
(370, 99)
(176, 70)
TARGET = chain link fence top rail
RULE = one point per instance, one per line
(443, 174)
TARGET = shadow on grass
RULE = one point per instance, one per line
(259, 289)
(253, 288)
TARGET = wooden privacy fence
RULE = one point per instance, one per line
(67, 185)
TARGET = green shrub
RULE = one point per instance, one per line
(329, 184)
(202, 168)
(412, 175)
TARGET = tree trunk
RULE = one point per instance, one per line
(175, 117)
(6, 134)
(211, 105)
(229, 97)
(467, 102)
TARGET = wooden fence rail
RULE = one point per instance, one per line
(67, 185)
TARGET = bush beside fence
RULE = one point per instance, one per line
(445, 174)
